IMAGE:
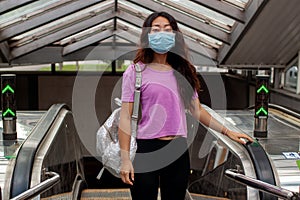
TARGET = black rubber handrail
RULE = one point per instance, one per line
(262, 166)
(20, 181)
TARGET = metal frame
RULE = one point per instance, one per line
(206, 19)
(40, 188)
(86, 42)
(19, 46)
(298, 75)
(46, 17)
(263, 186)
(17, 52)
(6, 6)
(188, 21)
(4, 51)
(223, 8)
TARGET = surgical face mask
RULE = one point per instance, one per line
(161, 42)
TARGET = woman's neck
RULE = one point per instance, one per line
(160, 58)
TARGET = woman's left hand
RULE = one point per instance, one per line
(238, 137)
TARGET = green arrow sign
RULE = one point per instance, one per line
(261, 110)
(8, 88)
(298, 163)
(262, 88)
(9, 111)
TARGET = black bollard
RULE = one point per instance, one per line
(8, 101)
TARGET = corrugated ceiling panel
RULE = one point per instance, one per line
(273, 38)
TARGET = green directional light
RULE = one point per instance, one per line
(8, 100)
(262, 89)
(261, 110)
(8, 88)
(8, 107)
(261, 106)
(9, 112)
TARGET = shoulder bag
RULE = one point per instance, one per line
(108, 147)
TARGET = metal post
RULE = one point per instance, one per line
(298, 76)
(8, 101)
(261, 106)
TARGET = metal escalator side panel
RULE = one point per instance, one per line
(20, 180)
(224, 153)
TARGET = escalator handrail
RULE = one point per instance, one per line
(259, 159)
(262, 186)
(285, 110)
(20, 180)
(40, 188)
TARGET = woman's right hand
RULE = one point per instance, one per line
(127, 172)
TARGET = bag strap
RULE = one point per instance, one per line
(137, 95)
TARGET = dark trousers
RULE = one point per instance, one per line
(161, 164)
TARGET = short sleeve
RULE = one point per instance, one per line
(195, 95)
(128, 84)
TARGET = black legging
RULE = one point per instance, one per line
(166, 167)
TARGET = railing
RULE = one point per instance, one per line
(285, 110)
(40, 188)
(262, 186)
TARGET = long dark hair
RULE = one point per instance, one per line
(177, 57)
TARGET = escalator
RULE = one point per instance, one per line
(54, 146)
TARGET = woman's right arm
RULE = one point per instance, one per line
(127, 171)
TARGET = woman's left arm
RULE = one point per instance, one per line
(204, 117)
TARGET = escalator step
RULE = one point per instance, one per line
(63, 196)
(105, 194)
(124, 194)
(120, 194)
(205, 197)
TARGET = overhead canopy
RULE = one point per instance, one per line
(226, 32)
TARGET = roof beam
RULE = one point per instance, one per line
(4, 51)
(130, 18)
(200, 49)
(48, 55)
(97, 38)
(223, 8)
(86, 42)
(6, 6)
(186, 20)
(60, 34)
(44, 18)
(127, 36)
(253, 9)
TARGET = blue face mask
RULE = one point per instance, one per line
(161, 42)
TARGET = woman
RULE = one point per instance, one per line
(169, 86)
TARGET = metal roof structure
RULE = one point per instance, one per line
(218, 32)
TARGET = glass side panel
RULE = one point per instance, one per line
(133, 8)
(209, 158)
(69, 20)
(201, 13)
(24, 12)
(238, 3)
(91, 65)
(86, 33)
(189, 32)
(291, 76)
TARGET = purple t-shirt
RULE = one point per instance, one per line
(163, 112)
